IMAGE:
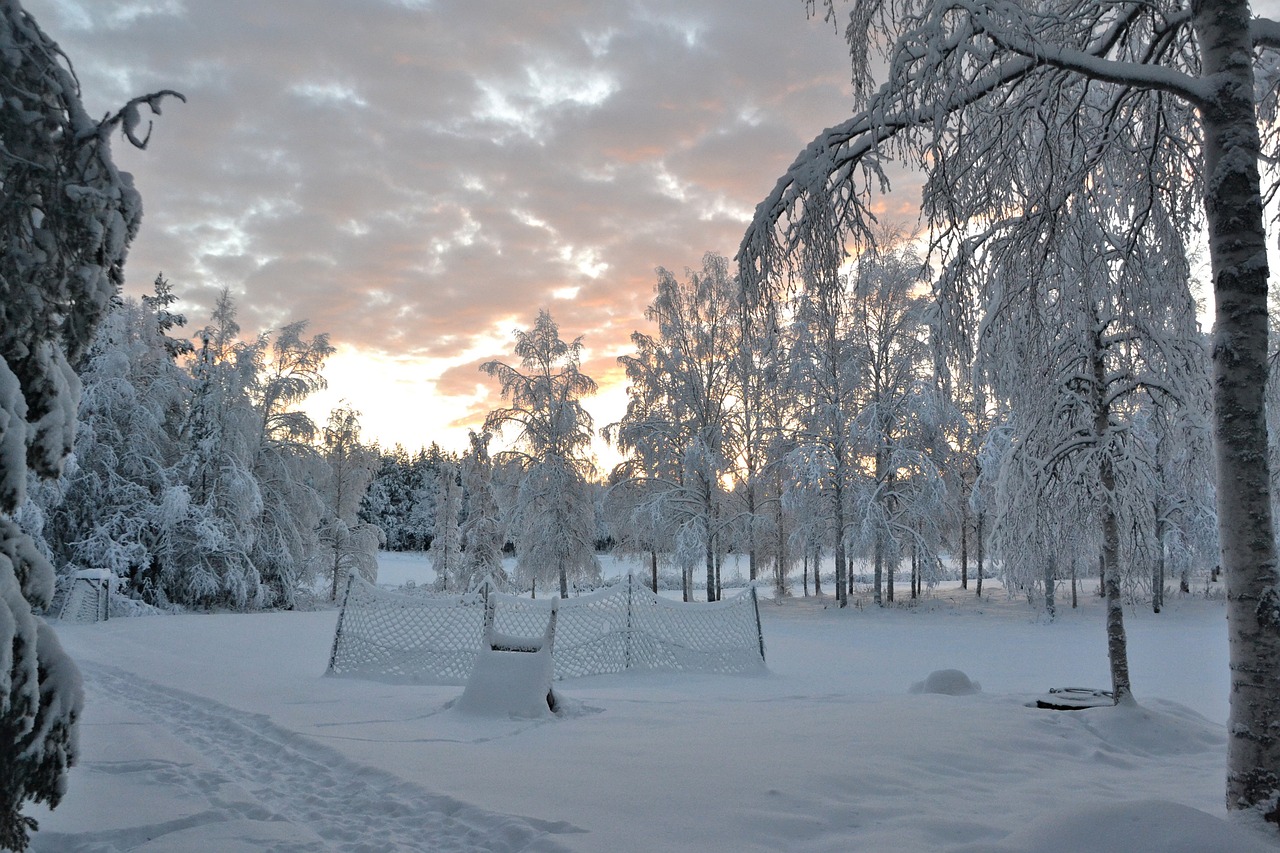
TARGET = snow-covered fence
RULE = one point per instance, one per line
(89, 598)
(397, 637)
(394, 636)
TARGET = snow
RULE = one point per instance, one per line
(219, 732)
(949, 682)
(506, 683)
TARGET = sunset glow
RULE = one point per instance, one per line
(418, 179)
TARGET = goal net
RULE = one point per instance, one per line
(395, 636)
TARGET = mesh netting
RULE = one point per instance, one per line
(86, 601)
(624, 627)
(401, 637)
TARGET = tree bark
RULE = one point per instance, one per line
(1050, 573)
(842, 558)
(879, 573)
(1157, 569)
(978, 545)
(1237, 248)
(1117, 642)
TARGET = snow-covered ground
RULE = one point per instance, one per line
(219, 733)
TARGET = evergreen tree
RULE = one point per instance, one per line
(67, 216)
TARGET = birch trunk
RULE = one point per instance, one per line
(1117, 642)
(1237, 247)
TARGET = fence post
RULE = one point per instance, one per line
(342, 614)
(626, 647)
(755, 602)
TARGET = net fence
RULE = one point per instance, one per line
(394, 636)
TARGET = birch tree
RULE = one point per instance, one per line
(1174, 122)
(555, 511)
(825, 380)
(679, 421)
(897, 422)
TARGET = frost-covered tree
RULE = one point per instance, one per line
(446, 541)
(636, 519)
(825, 381)
(118, 498)
(1161, 106)
(554, 516)
(678, 424)
(898, 418)
(286, 368)
(481, 539)
(211, 562)
(67, 216)
(1085, 336)
(347, 545)
(390, 497)
(1177, 441)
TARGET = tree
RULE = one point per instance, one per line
(678, 423)
(67, 216)
(898, 414)
(114, 509)
(390, 499)
(555, 513)
(285, 457)
(211, 560)
(1169, 117)
(347, 544)
(446, 543)
(825, 380)
(481, 541)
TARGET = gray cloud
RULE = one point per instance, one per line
(418, 178)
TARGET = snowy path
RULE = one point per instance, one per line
(248, 784)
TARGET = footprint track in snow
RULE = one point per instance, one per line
(349, 806)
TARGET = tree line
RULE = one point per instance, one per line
(1066, 439)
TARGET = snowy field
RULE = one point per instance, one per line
(219, 733)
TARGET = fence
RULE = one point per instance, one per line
(400, 637)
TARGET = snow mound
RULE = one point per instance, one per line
(513, 684)
(1135, 827)
(1158, 729)
(950, 682)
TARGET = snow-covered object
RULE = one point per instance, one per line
(390, 636)
(554, 515)
(949, 682)
(516, 684)
(89, 599)
(512, 675)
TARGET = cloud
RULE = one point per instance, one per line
(419, 178)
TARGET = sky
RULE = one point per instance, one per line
(418, 178)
